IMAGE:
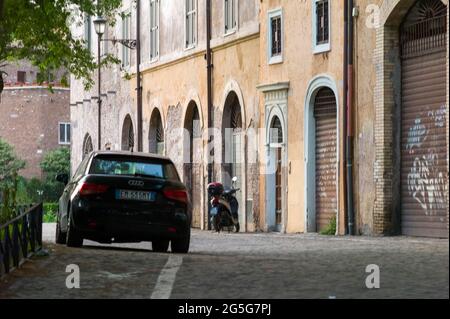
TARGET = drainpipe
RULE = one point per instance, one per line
(209, 68)
(350, 134)
(344, 93)
(138, 76)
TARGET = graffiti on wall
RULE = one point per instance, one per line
(427, 178)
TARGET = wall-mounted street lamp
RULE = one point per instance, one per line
(100, 27)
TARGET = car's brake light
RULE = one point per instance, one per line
(92, 189)
(179, 195)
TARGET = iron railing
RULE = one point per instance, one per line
(424, 37)
(20, 238)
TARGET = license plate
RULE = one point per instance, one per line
(135, 195)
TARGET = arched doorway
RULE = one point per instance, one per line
(232, 149)
(277, 141)
(321, 154)
(87, 145)
(193, 161)
(156, 133)
(325, 117)
(127, 134)
(423, 121)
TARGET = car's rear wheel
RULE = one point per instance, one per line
(160, 246)
(73, 237)
(181, 244)
(60, 236)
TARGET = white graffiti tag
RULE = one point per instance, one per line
(427, 185)
(427, 182)
(416, 136)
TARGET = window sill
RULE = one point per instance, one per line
(154, 60)
(191, 47)
(230, 32)
(276, 60)
(321, 48)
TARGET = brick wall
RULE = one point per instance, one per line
(29, 120)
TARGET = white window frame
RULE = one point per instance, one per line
(325, 47)
(192, 45)
(154, 28)
(87, 23)
(228, 31)
(274, 14)
(68, 137)
(126, 52)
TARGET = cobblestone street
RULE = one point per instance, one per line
(225, 266)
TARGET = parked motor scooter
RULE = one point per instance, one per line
(224, 211)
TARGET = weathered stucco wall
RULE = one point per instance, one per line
(299, 67)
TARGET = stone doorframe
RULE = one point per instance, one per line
(276, 105)
(387, 102)
(319, 82)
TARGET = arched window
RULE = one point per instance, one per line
(127, 134)
(156, 134)
(276, 131)
(87, 145)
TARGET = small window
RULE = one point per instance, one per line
(154, 29)
(275, 37)
(21, 76)
(230, 15)
(126, 34)
(64, 133)
(87, 31)
(321, 26)
(191, 23)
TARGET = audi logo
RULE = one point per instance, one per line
(136, 183)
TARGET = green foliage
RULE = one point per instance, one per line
(54, 162)
(10, 165)
(39, 31)
(50, 211)
(330, 230)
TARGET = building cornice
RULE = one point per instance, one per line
(162, 64)
(34, 87)
(278, 86)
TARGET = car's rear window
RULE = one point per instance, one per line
(133, 167)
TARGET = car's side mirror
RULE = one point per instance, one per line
(62, 178)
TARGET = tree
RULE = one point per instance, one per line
(10, 165)
(54, 162)
(39, 31)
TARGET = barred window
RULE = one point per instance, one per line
(276, 35)
(322, 22)
(275, 29)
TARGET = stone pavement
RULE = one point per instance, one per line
(223, 266)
